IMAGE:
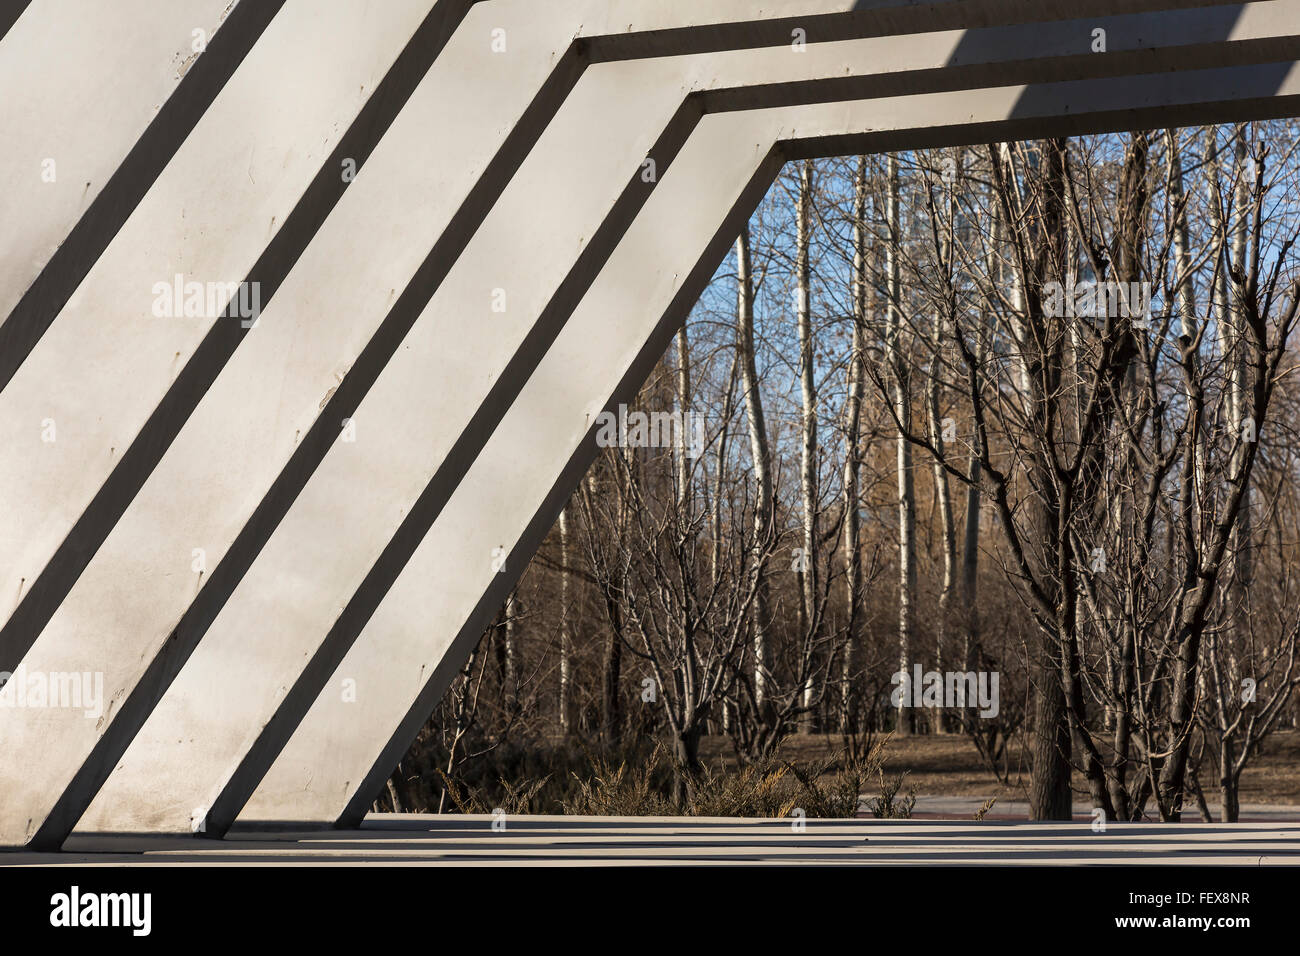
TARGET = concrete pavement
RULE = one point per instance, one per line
(422, 840)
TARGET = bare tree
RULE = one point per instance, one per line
(761, 456)
(900, 377)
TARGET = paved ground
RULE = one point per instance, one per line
(964, 808)
(421, 839)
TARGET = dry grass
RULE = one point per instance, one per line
(825, 785)
(948, 766)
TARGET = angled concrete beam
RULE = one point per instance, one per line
(87, 88)
(624, 29)
(447, 592)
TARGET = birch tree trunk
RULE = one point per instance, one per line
(612, 665)
(566, 664)
(970, 548)
(808, 431)
(684, 498)
(970, 554)
(1229, 318)
(720, 477)
(715, 505)
(509, 639)
(1240, 564)
(853, 447)
(947, 523)
(760, 455)
(903, 410)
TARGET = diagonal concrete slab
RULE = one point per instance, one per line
(83, 81)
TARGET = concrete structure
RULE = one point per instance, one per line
(469, 840)
(472, 226)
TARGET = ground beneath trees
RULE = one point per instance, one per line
(952, 782)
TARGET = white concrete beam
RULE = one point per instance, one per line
(82, 80)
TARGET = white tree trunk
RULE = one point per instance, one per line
(1184, 286)
(565, 640)
(1240, 380)
(903, 410)
(852, 445)
(808, 425)
(511, 652)
(684, 497)
(947, 522)
(759, 454)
